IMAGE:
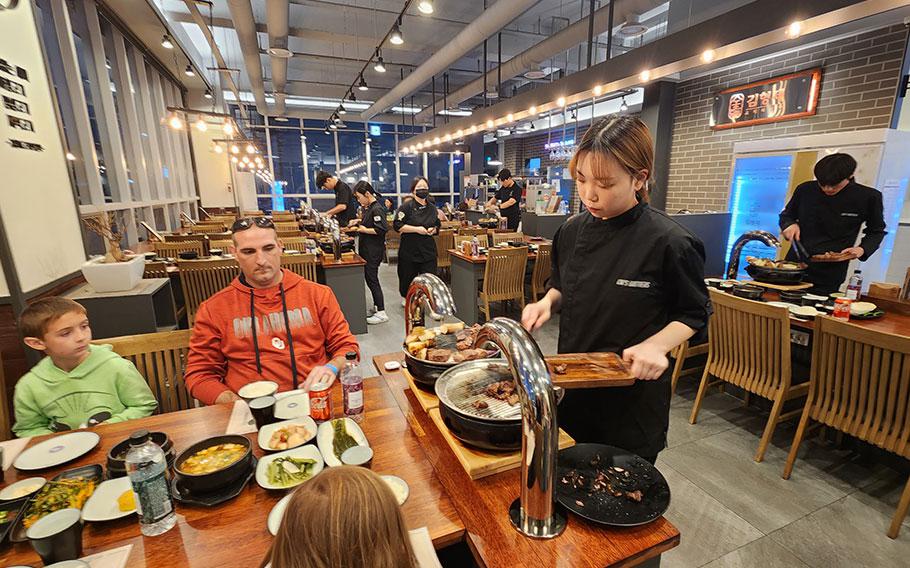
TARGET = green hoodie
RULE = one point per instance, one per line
(104, 387)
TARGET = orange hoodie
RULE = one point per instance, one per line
(222, 353)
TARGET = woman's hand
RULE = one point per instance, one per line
(648, 361)
(431, 231)
(791, 233)
(535, 315)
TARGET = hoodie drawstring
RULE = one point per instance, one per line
(287, 332)
(255, 338)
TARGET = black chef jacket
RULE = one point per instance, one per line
(344, 196)
(622, 280)
(512, 213)
(832, 223)
(418, 248)
(372, 247)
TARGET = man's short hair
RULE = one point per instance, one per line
(504, 174)
(321, 178)
(834, 168)
(39, 315)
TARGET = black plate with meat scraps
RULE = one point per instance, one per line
(610, 486)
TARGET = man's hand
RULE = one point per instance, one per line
(792, 232)
(320, 374)
(227, 397)
(535, 315)
(648, 361)
(854, 252)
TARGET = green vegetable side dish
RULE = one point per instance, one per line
(288, 471)
(6, 517)
(341, 440)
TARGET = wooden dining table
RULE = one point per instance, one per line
(483, 504)
(234, 533)
(467, 274)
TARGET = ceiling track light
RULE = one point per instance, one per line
(379, 67)
(362, 85)
(623, 106)
(189, 71)
(166, 42)
(395, 37)
(208, 94)
(342, 110)
(425, 6)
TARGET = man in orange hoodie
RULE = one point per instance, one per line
(268, 324)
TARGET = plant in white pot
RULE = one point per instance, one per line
(115, 271)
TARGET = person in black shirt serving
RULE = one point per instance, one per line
(371, 231)
(509, 197)
(825, 215)
(417, 221)
(626, 279)
(345, 207)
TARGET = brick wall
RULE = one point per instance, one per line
(859, 82)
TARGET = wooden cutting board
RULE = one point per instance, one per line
(425, 398)
(481, 463)
(589, 370)
(785, 287)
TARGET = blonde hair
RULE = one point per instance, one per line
(344, 517)
(624, 138)
(40, 314)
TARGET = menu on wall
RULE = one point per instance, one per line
(781, 98)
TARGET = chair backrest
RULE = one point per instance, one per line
(284, 217)
(173, 249)
(253, 213)
(287, 226)
(506, 237)
(444, 241)
(161, 359)
(860, 383)
(884, 290)
(749, 344)
(223, 244)
(542, 266)
(283, 235)
(207, 228)
(472, 231)
(450, 224)
(226, 220)
(296, 242)
(504, 275)
(201, 279)
(458, 239)
(905, 291)
(155, 270)
(302, 264)
(392, 239)
(183, 238)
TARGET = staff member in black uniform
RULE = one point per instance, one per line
(371, 231)
(626, 279)
(345, 207)
(509, 197)
(417, 221)
(825, 215)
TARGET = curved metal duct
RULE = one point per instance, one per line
(277, 15)
(490, 21)
(245, 27)
(566, 39)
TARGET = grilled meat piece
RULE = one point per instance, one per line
(502, 390)
(469, 355)
(560, 369)
(439, 355)
(634, 495)
(480, 405)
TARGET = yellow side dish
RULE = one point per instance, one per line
(127, 501)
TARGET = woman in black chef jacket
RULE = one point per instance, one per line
(417, 221)
(626, 279)
(372, 230)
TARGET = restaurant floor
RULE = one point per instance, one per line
(731, 511)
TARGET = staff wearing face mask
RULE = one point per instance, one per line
(417, 220)
(626, 279)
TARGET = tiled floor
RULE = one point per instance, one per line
(732, 512)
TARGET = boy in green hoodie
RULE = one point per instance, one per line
(78, 384)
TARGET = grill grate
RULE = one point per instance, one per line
(467, 386)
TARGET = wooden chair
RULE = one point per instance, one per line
(302, 264)
(284, 217)
(498, 238)
(749, 346)
(392, 242)
(171, 250)
(225, 219)
(455, 225)
(478, 232)
(161, 359)
(200, 279)
(445, 240)
(183, 238)
(543, 267)
(859, 385)
(287, 226)
(458, 239)
(155, 270)
(223, 244)
(679, 355)
(296, 243)
(253, 213)
(207, 228)
(884, 290)
(289, 234)
(504, 277)
(905, 291)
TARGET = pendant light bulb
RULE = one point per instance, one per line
(208, 94)
(250, 149)
(218, 149)
(379, 67)
(189, 71)
(175, 122)
(342, 110)
(363, 84)
(228, 129)
(235, 149)
(166, 42)
(623, 106)
(425, 6)
(395, 37)
(200, 125)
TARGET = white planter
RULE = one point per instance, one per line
(114, 276)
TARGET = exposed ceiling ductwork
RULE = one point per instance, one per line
(490, 21)
(557, 43)
(245, 26)
(277, 15)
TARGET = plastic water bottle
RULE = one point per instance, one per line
(475, 247)
(855, 286)
(352, 387)
(146, 467)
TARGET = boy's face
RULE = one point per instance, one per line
(67, 337)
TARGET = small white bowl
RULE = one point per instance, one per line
(358, 455)
(257, 389)
(33, 484)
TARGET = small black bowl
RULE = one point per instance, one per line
(213, 481)
(188, 255)
(748, 292)
(116, 457)
(792, 297)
